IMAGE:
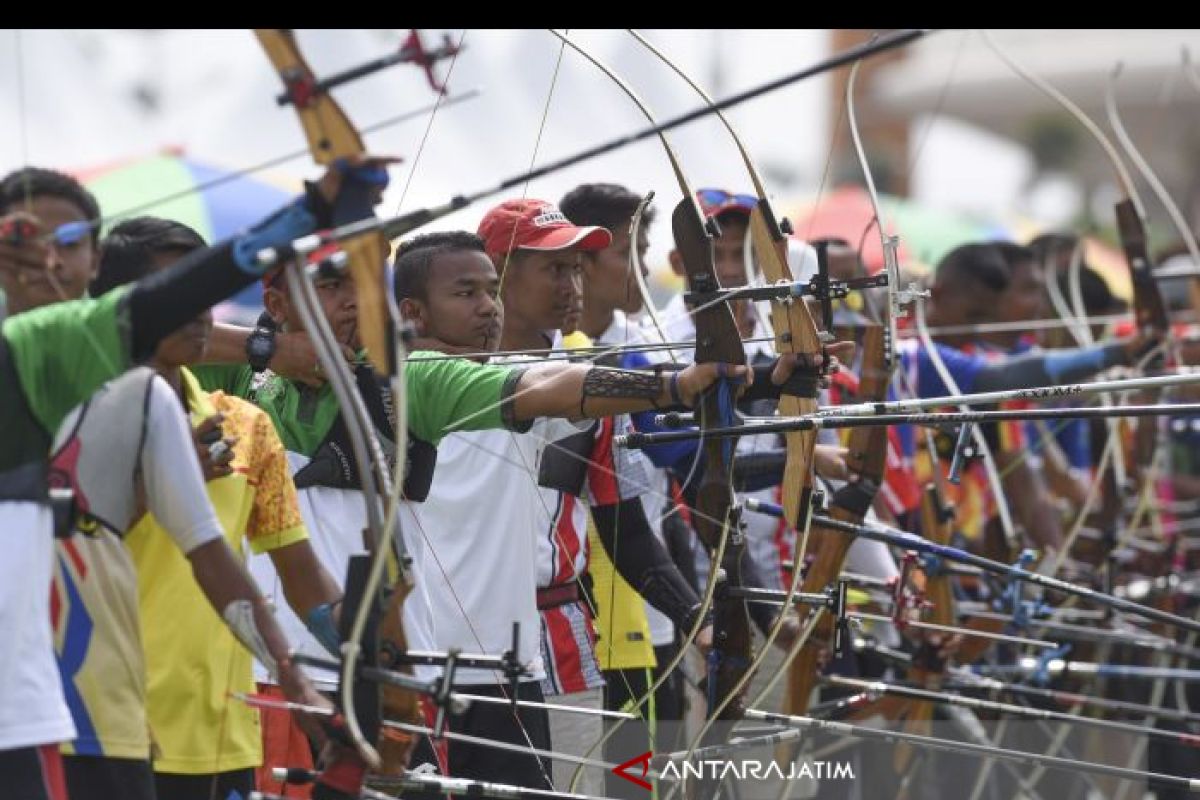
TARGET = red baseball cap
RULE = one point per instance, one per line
(536, 225)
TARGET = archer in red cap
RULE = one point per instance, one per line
(536, 251)
(536, 225)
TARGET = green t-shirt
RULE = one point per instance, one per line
(60, 354)
(444, 395)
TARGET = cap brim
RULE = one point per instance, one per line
(589, 237)
(721, 208)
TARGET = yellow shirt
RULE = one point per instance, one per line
(622, 631)
(193, 661)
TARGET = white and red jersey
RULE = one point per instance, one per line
(583, 469)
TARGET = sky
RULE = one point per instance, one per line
(76, 99)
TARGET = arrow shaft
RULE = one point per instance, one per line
(976, 704)
(831, 418)
(1000, 753)
(910, 541)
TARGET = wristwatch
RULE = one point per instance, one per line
(260, 344)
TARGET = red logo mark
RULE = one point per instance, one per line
(644, 760)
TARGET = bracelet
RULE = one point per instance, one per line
(673, 386)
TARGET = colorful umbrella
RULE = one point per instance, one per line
(925, 234)
(167, 185)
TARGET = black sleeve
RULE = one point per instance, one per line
(680, 542)
(164, 301)
(643, 562)
(758, 470)
(751, 472)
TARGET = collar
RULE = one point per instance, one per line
(198, 401)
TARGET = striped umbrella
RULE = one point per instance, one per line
(168, 185)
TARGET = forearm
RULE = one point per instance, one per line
(1060, 479)
(306, 583)
(236, 598)
(163, 301)
(226, 345)
(576, 391)
(1048, 369)
(640, 558)
(310, 591)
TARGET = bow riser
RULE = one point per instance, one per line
(795, 332)
(717, 340)
(827, 549)
(1148, 303)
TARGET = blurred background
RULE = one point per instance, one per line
(960, 145)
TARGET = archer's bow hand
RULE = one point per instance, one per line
(1140, 345)
(825, 364)
(22, 246)
(829, 461)
(352, 174)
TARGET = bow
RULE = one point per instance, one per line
(866, 460)
(334, 141)
(717, 340)
(795, 332)
(1149, 309)
(371, 615)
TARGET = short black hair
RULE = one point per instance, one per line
(1015, 254)
(26, 183)
(733, 215)
(1047, 248)
(414, 259)
(974, 264)
(608, 205)
(1097, 296)
(128, 251)
(1053, 243)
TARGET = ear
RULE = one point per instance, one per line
(277, 305)
(414, 311)
(500, 262)
(676, 263)
(587, 261)
(94, 272)
(936, 292)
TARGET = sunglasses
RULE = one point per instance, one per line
(717, 200)
(16, 231)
